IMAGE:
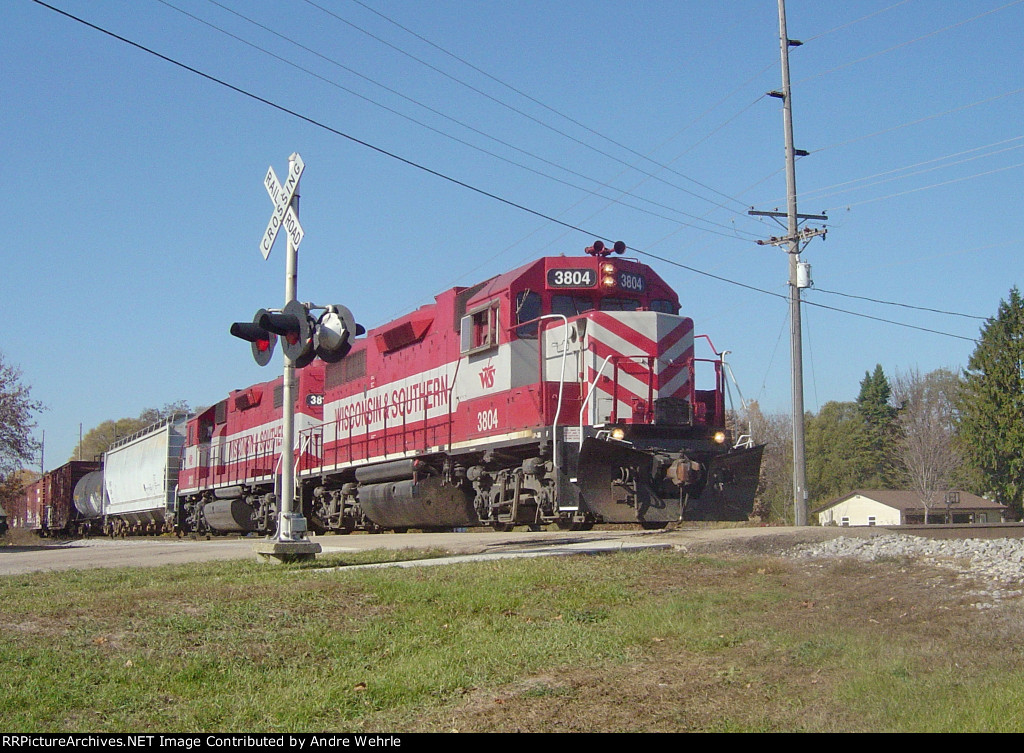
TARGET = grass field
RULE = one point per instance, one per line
(650, 641)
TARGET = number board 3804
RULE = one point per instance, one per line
(572, 278)
(632, 282)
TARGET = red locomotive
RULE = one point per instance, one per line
(564, 391)
(232, 455)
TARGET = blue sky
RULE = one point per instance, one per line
(137, 198)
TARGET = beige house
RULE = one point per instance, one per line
(895, 508)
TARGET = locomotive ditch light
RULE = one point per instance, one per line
(719, 437)
(263, 341)
(335, 330)
(295, 327)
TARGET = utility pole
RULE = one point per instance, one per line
(799, 274)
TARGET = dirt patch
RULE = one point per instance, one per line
(745, 678)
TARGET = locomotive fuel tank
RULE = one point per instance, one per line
(230, 516)
(400, 495)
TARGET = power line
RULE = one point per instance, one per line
(536, 101)
(911, 41)
(538, 121)
(900, 172)
(729, 230)
(935, 185)
(453, 180)
(902, 305)
(805, 302)
(925, 119)
(856, 21)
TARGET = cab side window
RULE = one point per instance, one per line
(528, 308)
(479, 329)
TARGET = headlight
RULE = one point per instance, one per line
(719, 437)
(618, 434)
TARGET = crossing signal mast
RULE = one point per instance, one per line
(303, 339)
(799, 273)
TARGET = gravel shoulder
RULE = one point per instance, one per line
(998, 560)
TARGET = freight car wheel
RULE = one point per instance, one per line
(650, 525)
(503, 527)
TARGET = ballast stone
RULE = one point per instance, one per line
(997, 562)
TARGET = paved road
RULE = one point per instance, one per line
(90, 553)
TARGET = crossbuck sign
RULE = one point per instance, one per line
(284, 212)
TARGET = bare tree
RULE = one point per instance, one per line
(925, 447)
(775, 491)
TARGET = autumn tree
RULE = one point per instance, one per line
(99, 439)
(774, 500)
(17, 409)
(839, 452)
(990, 429)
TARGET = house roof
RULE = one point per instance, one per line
(909, 500)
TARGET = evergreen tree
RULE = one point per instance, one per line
(991, 407)
(879, 416)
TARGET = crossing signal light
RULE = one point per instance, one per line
(296, 329)
(335, 330)
(262, 340)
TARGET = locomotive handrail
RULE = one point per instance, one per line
(398, 425)
(561, 378)
(615, 381)
(590, 392)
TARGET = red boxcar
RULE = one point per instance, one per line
(48, 505)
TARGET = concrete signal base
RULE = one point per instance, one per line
(277, 552)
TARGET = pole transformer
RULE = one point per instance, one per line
(795, 327)
(799, 276)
